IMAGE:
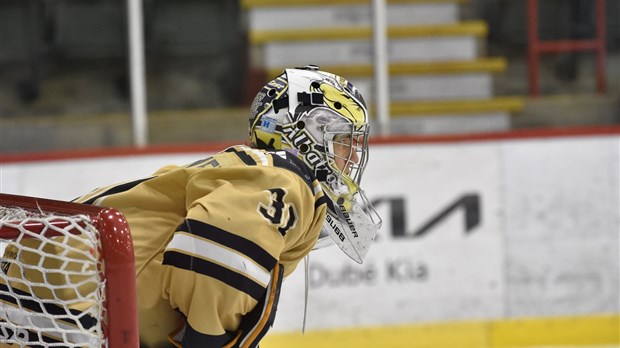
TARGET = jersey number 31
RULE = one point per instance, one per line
(278, 212)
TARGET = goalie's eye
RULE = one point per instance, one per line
(346, 141)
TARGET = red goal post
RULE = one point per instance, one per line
(100, 235)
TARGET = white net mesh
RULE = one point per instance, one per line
(51, 288)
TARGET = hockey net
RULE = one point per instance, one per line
(67, 275)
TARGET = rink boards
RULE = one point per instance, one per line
(490, 241)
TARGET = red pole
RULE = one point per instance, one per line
(120, 271)
(533, 45)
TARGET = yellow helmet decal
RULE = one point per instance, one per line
(342, 103)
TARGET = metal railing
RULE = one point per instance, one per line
(536, 47)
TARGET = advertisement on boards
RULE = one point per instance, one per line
(437, 256)
(472, 230)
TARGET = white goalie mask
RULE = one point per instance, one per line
(322, 119)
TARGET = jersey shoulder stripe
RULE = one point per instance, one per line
(279, 159)
(191, 263)
(291, 163)
(117, 189)
(243, 156)
(229, 240)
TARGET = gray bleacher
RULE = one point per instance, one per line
(66, 61)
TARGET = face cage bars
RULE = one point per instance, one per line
(360, 148)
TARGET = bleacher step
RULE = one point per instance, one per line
(483, 64)
(337, 33)
(350, 14)
(424, 80)
(247, 4)
(457, 107)
(453, 116)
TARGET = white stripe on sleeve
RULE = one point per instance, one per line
(214, 252)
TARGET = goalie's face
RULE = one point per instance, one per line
(346, 150)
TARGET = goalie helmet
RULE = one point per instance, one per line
(322, 119)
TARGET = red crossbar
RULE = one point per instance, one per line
(537, 47)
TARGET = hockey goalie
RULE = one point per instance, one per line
(214, 239)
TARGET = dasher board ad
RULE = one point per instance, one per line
(472, 230)
(475, 231)
(438, 254)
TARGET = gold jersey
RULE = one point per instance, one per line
(213, 240)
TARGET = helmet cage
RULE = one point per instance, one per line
(347, 150)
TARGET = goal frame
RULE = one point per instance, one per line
(121, 327)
